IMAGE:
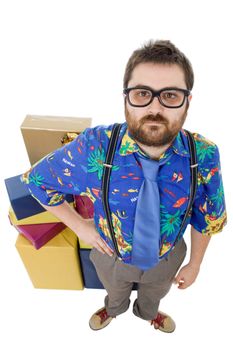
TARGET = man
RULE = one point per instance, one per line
(157, 92)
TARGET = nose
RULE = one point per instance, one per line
(155, 106)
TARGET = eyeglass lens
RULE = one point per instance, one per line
(170, 98)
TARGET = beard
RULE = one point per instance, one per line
(160, 134)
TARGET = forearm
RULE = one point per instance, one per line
(188, 273)
(85, 229)
(67, 215)
(199, 244)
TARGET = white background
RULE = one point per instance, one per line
(67, 58)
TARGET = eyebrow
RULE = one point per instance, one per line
(140, 86)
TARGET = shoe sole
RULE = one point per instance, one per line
(98, 329)
(162, 330)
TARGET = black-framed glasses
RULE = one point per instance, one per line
(168, 97)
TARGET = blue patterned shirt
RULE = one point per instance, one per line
(77, 168)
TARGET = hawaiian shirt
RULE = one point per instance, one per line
(77, 168)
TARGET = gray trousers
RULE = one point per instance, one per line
(153, 284)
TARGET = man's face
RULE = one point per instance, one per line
(156, 125)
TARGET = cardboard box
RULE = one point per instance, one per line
(40, 234)
(22, 202)
(42, 218)
(44, 134)
(90, 277)
(84, 206)
(84, 245)
(54, 266)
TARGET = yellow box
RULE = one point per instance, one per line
(42, 218)
(83, 245)
(56, 265)
(44, 134)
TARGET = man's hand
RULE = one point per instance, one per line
(83, 228)
(90, 236)
(186, 276)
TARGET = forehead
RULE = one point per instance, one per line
(158, 76)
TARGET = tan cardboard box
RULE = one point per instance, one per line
(44, 134)
(56, 265)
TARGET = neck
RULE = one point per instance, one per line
(153, 152)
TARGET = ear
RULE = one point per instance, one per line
(190, 97)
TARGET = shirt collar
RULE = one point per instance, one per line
(129, 146)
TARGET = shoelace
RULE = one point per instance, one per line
(103, 315)
(159, 320)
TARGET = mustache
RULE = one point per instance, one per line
(154, 118)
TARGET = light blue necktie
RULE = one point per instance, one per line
(146, 235)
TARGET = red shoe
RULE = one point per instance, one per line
(100, 319)
(163, 322)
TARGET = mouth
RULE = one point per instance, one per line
(155, 122)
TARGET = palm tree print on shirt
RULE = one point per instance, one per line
(95, 162)
(169, 222)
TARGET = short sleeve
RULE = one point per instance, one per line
(209, 209)
(61, 172)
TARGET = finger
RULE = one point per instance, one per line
(104, 247)
(177, 279)
(99, 248)
(108, 250)
(182, 284)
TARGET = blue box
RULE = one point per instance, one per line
(22, 202)
(90, 277)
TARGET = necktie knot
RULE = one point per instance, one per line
(150, 168)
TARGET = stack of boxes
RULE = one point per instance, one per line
(50, 251)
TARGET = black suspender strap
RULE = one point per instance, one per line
(193, 181)
(105, 181)
(107, 172)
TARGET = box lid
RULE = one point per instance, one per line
(38, 122)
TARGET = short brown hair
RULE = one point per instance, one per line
(162, 52)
